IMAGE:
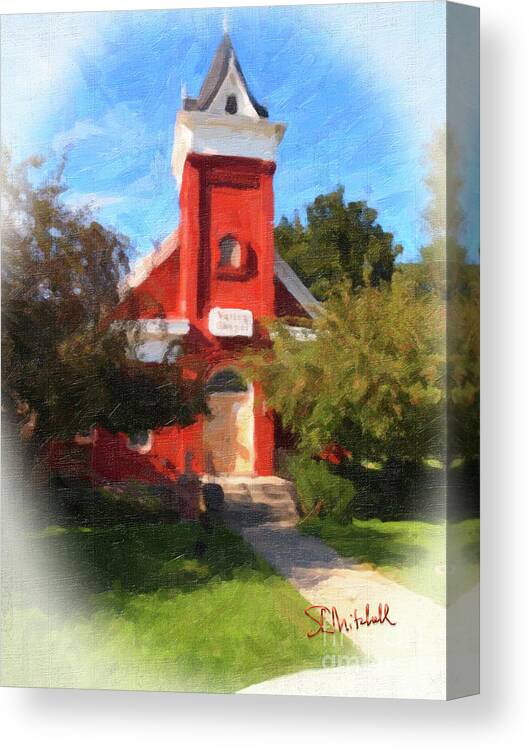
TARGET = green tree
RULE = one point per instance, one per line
(339, 242)
(392, 374)
(372, 379)
(63, 368)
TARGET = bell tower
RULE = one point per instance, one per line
(223, 161)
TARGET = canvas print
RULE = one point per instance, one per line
(240, 350)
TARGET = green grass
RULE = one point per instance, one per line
(412, 553)
(140, 610)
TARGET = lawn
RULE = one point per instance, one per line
(141, 605)
(412, 553)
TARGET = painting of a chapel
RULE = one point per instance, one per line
(207, 291)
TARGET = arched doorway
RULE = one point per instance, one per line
(229, 429)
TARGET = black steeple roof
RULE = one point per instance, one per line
(215, 78)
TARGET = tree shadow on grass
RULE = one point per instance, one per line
(94, 545)
(146, 557)
(132, 601)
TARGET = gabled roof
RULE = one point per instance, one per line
(215, 78)
(147, 263)
(289, 278)
(282, 272)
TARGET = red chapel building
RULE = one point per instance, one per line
(205, 293)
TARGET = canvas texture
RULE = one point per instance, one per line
(240, 346)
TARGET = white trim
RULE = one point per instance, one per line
(147, 263)
(301, 334)
(153, 339)
(160, 328)
(298, 332)
(227, 135)
(296, 287)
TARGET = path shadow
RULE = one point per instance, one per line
(102, 558)
(305, 556)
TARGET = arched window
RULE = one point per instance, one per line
(140, 442)
(230, 252)
(226, 381)
(231, 104)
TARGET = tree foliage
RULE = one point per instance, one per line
(372, 379)
(64, 369)
(393, 370)
(339, 242)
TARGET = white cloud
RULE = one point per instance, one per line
(81, 131)
(40, 70)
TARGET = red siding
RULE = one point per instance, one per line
(220, 195)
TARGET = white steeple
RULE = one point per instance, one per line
(225, 118)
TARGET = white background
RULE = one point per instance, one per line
(499, 717)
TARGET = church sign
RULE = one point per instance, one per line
(230, 322)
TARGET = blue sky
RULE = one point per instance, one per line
(360, 87)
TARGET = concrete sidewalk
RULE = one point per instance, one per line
(402, 660)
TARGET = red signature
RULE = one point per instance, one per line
(333, 623)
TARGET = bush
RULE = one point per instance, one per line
(320, 490)
(79, 504)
